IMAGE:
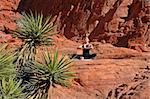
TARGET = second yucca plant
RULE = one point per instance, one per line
(48, 71)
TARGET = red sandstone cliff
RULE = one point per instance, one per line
(120, 22)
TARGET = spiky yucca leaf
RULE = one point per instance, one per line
(7, 67)
(34, 30)
(11, 89)
(49, 71)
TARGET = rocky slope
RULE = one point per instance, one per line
(116, 73)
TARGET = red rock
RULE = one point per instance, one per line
(1, 33)
(8, 37)
(8, 14)
(105, 18)
(98, 17)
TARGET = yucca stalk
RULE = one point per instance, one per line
(48, 71)
(34, 30)
(11, 89)
(7, 67)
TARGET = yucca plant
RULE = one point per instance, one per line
(7, 67)
(34, 30)
(48, 71)
(11, 89)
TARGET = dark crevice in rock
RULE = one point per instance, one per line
(134, 10)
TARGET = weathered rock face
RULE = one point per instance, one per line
(120, 22)
(8, 15)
